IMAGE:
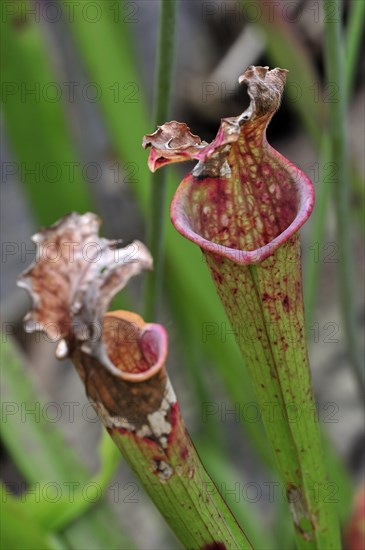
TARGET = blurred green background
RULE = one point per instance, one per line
(77, 97)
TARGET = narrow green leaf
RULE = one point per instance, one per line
(165, 56)
(18, 530)
(36, 446)
(339, 154)
(36, 123)
(42, 454)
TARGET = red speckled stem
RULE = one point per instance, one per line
(243, 205)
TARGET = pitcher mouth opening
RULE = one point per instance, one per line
(247, 217)
(136, 350)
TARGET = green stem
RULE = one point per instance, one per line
(158, 180)
(334, 57)
(190, 503)
(313, 266)
(353, 38)
(311, 274)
